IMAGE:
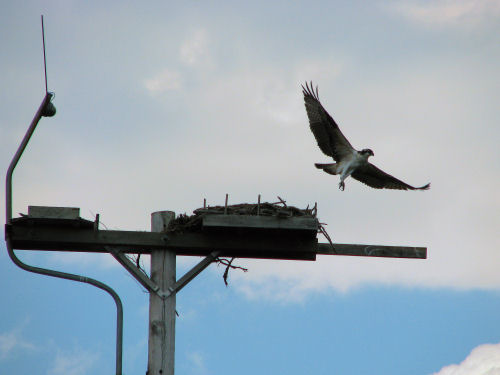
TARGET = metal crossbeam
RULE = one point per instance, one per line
(68, 238)
(372, 250)
(234, 244)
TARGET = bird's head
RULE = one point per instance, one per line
(366, 152)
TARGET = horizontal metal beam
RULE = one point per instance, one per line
(372, 250)
(230, 244)
(77, 239)
(33, 237)
(245, 245)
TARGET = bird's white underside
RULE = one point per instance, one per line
(350, 164)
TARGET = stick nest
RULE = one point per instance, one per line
(192, 223)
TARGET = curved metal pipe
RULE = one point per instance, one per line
(47, 109)
(82, 279)
(19, 152)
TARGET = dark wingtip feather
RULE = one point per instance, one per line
(310, 91)
(425, 187)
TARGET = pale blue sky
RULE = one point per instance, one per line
(162, 104)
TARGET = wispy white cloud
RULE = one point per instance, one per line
(195, 47)
(75, 362)
(163, 81)
(482, 360)
(197, 363)
(192, 50)
(269, 95)
(449, 12)
(136, 351)
(13, 341)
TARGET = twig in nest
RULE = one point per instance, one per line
(323, 231)
(228, 265)
(282, 201)
(314, 211)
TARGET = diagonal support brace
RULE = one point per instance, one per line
(149, 284)
(143, 279)
(190, 275)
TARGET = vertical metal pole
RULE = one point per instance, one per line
(161, 343)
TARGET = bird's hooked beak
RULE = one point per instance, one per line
(367, 152)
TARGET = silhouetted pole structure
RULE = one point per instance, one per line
(161, 343)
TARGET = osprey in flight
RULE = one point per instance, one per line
(349, 162)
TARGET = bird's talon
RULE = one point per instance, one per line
(342, 186)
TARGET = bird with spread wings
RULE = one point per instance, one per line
(349, 162)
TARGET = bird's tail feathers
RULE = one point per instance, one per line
(330, 168)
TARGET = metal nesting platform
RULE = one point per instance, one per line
(242, 236)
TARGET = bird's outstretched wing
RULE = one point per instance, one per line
(326, 131)
(378, 179)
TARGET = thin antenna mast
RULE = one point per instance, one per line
(44, 58)
(49, 110)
